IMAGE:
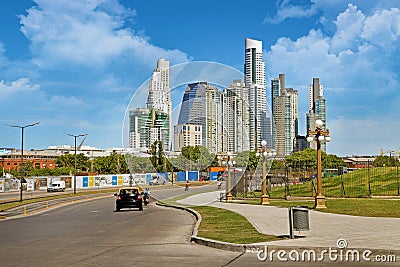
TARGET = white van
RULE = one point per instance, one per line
(56, 186)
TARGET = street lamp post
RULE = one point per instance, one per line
(264, 155)
(229, 162)
(22, 153)
(75, 136)
(319, 135)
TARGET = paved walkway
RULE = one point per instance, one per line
(325, 228)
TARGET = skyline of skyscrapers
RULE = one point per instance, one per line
(232, 119)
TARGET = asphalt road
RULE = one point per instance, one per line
(91, 233)
(163, 191)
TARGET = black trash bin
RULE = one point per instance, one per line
(298, 220)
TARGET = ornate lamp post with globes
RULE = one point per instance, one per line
(319, 135)
(264, 155)
(229, 161)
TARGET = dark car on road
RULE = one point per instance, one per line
(129, 197)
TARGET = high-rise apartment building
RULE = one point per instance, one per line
(235, 128)
(254, 78)
(201, 105)
(317, 109)
(159, 97)
(285, 116)
(153, 123)
(147, 126)
(137, 127)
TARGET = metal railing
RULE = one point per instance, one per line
(41, 204)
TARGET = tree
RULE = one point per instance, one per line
(382, 161)
(139, 164)
(114, 163)
(190, 152)
(28, 167)
(68, 160)
(194, 158)
(157, 157)
(308, 159)
(277, 165)
(65, 161)
(332, 162)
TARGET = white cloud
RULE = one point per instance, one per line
(356, 65)
(31, 98)
(344, 60)
(383, 28)
(67, 102)
(287, 11)
(349, 27)
(14, 88)
(90, 33)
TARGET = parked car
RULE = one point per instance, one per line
(56, 186)
(157, 181)
(129, 197)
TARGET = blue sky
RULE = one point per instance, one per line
(74, 65)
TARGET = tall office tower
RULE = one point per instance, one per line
(235, 128)
(201, 106)
(254, 78)
(159, 97)
(192, 108)
(285, 116)
(317, 109)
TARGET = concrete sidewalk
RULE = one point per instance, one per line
(325, 228)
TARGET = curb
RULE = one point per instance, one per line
(195, 214)
(211, 242)
(255, 248)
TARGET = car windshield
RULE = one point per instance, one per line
(129, 191)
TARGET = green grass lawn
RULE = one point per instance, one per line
(352, 206)
(228, 226)
(378, 181)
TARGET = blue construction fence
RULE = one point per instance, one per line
(214, 176)
(187, 176)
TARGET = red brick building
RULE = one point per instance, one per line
(359, 162)
(11, 159)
